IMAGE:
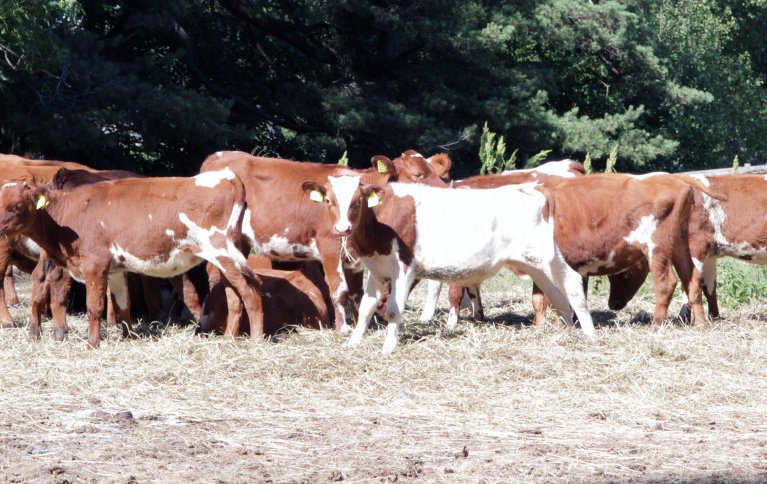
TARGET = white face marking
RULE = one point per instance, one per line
(643, 233)
(344, 188)
(210, 179)
(10, 184)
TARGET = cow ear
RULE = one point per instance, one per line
(383, 165)
(441, 164)
(373, 194)
(40, 198)
(315, 191)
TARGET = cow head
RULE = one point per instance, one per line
(411, 167)
(19, 204)
(345, 197)
(624, 285)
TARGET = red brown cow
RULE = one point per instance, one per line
(297, 297)
(287, 226)
(155, 226)
(622, 286)
(605, 223)
(735, 227)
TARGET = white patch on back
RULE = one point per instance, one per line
(648, 175)
(210, 179)
(344, 188)
(643, 233)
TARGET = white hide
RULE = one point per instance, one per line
(202, 239)
(555, 168)
(491, 235)
(643, 233)
(285, 249)
(210, 179)
(176, 262)
(344, 188)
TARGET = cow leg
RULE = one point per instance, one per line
(540, 304)
(59, 284)
(572, 284)
(234, 308)
(432, 296)
(95, 290)
(40, 294)
(400, 290)
(546, 285)
(11, 297)
(354, 286)
(339, 290)
(454, 297)
(709, 287)
(5, 254)
(249, 288)
(111, 315)
(691, 277)
(374, 291)
(476, 302)
(120, 296)
(184, 286)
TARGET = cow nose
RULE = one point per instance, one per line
(343, 229)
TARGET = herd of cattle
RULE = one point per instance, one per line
(287, 241)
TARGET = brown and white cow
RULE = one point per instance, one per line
(405, 231)
(605, 223)
(155, 226)
(735, 227)
(622, 285)
(298, 297)
(287, 226)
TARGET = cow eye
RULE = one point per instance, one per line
(19, 207)
(418, 175)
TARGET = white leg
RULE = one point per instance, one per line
(118, 285)
(452, 319)
(432, 295)
(574, 289)
(373, 294)
(400, 288)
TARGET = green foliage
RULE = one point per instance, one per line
(492, 153)
(735, 165)
(612, 160)
(739, 282)
(537, 159)
(156, 86)
(344, 160)
(587, 164)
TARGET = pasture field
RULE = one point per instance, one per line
(495, 401)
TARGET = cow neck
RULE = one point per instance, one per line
(46, 230)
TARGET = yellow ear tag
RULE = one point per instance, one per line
(381, 166)
(42, 202)
(374, 200)
(316, 196)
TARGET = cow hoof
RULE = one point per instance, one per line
(12, 301)
(60, 334)
(345, 329)
(388, 348)
(7, 324)
(685, 314)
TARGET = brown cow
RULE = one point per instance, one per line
(287, 226)
(155, 226)
(735, 227)
(297, 297)
(605, 223)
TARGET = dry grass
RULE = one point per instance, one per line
(494, 401)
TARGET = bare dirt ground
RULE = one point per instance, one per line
(494, 401)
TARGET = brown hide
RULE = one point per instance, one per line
(291, 298)
(283, 211)
(140, 219)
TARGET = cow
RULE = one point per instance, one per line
(289, 227)
(405, 231)
(298, 297)
(605, 223)
(622, 286)
(735, 227)
(155, 226)
(36, 173)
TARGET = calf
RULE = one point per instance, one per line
(297, 297)
(410, 234)
(289, 227)
(155, 226)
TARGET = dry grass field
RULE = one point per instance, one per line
(495, 401)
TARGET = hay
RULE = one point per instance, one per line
(492, 401)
